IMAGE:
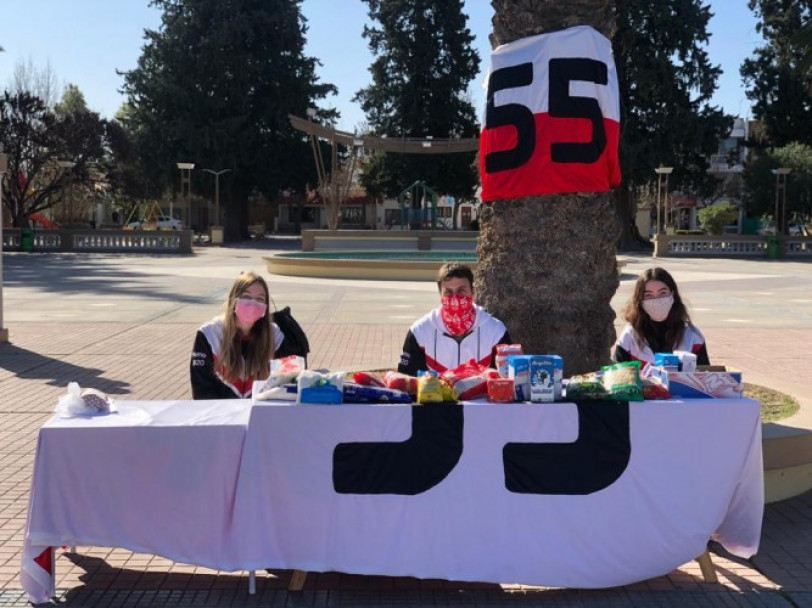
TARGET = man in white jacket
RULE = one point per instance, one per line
(454, 333)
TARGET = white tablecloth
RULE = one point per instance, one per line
(154, 477)
(198, 482)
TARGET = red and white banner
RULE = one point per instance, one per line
(552, 116)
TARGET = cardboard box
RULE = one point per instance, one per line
(707, 382)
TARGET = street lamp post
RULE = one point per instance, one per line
(660, 171)
(3, 169)
(780, 209)
(217, 175)
(185, 184)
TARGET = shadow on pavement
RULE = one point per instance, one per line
(30, 365)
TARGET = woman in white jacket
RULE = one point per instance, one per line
(658, 322)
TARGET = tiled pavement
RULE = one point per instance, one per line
(125, 325)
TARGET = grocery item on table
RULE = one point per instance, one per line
(368, 379)
(361, 393)
(469, 380)
(82, 402)
(289, 367)
(500, 390)
(542, 378)
(315, 387)
(654, 388)
(687, 360)
(503, 351)
(667, 361)
(622, 381)
(519, 372)
(401, 382)
(585, 386)
(429, 388)
(283, 392)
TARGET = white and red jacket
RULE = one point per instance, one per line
(629, 347)
(207, 381)
(428, 345)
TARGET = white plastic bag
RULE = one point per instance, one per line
(76, 402)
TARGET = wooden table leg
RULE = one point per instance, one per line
(297, 580)
(706, 565)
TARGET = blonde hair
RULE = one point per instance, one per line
(261, 346)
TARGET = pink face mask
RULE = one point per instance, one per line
(249, 311)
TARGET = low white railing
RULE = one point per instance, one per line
(102, 241)
(728, 245)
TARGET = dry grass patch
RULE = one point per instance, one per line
(775, 405)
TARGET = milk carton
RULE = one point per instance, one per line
(687, 361)
(519, 372)
(542, 378)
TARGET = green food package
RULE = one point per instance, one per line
(622, 381)
(586, 386)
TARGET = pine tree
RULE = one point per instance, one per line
(775, 77)
(424, 62)
(666, 83)
(214, 86)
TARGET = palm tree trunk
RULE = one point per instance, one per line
(547, 263)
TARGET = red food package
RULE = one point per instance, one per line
(653, 388)
(501, 390)
(400, 382)
(464, 370)
(367, 379)
(474, 387)
(469, 380)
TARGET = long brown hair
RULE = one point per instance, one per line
(260, 339)
(642, 324)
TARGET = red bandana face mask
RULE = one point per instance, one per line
(458, 313)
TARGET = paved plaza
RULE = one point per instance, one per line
(125, 325)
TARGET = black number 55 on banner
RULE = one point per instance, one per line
(552, 116)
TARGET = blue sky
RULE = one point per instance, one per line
(86, 41)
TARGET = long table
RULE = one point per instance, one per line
(575, 495)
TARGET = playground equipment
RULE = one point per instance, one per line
(44, 222)
(149, 216)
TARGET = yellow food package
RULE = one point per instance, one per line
(429, 389)
(448, 391)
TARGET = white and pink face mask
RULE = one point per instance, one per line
(249, 311)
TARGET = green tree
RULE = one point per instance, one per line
(424, 61)
(666, 83)
(714, 218)
(214, 86)
(760, 182)
(775, 77)
(547, 263)
(72, 101)
(45, 152)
